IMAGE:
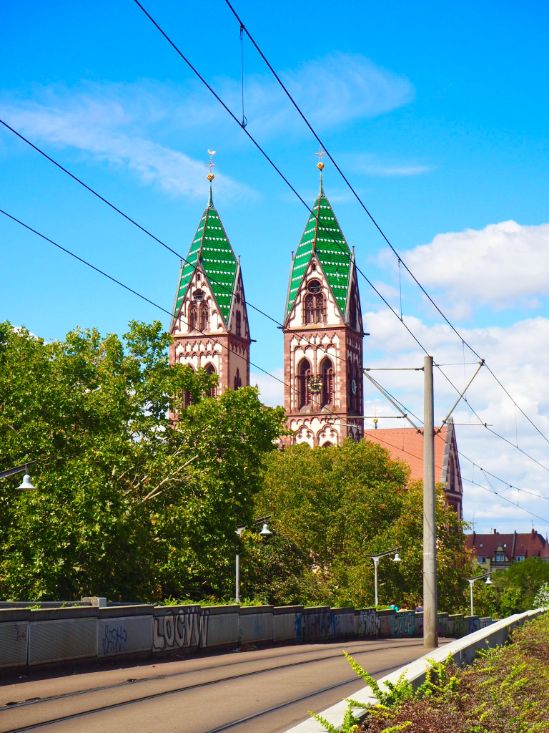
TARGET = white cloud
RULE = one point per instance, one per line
(503, 265)
(518, 354)
(369, 164)
(133, 126)
(107, 130)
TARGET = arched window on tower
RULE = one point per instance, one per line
(204, 316)
(351, 386)
(238, 323)
(303, 383)
(313, 304)
(210, 369)
(193, 316)
(187, 395)
(353, 312)
(237, 379)
(327, 376)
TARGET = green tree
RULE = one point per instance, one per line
(512, 590)
(129, 496)
(331, 508)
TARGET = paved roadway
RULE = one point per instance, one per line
(260, 690)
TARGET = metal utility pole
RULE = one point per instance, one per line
(430, 638)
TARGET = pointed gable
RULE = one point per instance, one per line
(212, 249)
(323, 236)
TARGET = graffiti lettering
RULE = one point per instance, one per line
(184, 628)
(368, 623)
(115, 639)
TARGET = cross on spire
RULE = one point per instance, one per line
(321, 153)
(211, 175)
(211, 165)
(320, 165)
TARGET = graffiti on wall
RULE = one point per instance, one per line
(368, 623)
(184, 628)
(403, 624)
(115, 639)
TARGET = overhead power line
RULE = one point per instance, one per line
(400, 261)
(294, 190)
(121, 284)
(118, 282)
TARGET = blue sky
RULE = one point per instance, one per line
(437, 113)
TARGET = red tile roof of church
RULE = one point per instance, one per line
(406, 444)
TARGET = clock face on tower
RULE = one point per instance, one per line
(354, 386)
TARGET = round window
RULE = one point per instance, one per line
(314, 286)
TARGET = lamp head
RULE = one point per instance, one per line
(26, 484)
(397, 557)
(265, 531)
(488, 580)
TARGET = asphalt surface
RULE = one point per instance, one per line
(260, 690)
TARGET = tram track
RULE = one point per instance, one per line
(35, 713)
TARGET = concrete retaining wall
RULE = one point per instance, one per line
(255, 625)
(463, 651)
(53, 635)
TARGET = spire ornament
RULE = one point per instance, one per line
(211, 175)
(320, 165)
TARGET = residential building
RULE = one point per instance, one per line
(497, 551)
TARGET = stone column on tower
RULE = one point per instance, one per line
(323, 335)
(210, 327)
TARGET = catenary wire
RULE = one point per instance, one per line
(329, 412)
(374, 221)
(289, 184)
(493, 491)
(163, 244)
(121, 284)
(257, 366)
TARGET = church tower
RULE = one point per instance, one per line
(323, 335)
(210, 324)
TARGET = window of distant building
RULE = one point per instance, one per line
(210, 369)
(237, 379)
(500, 557)
(193, 316)
(238, 323)
(303, 383)
(327, 376)
(313, 311)
(204, 316)
(520, 558)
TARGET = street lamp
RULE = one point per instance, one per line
(471, 582)
(26, 484)
(376, 559)
(264, 532)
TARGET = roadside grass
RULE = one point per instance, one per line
(506, 690)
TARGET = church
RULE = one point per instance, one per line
(322, 327)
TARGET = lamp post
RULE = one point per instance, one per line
(376, 559)
(264, 532)
(471, 582)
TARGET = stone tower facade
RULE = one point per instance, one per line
(210, 327)
(323, 393)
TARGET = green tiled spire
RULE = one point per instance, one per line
(212, 248)
(324, 237)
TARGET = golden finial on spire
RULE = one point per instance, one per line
(211, 164)
(321, 153)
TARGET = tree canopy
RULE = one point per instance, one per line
(333, 507)
(131, 504)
